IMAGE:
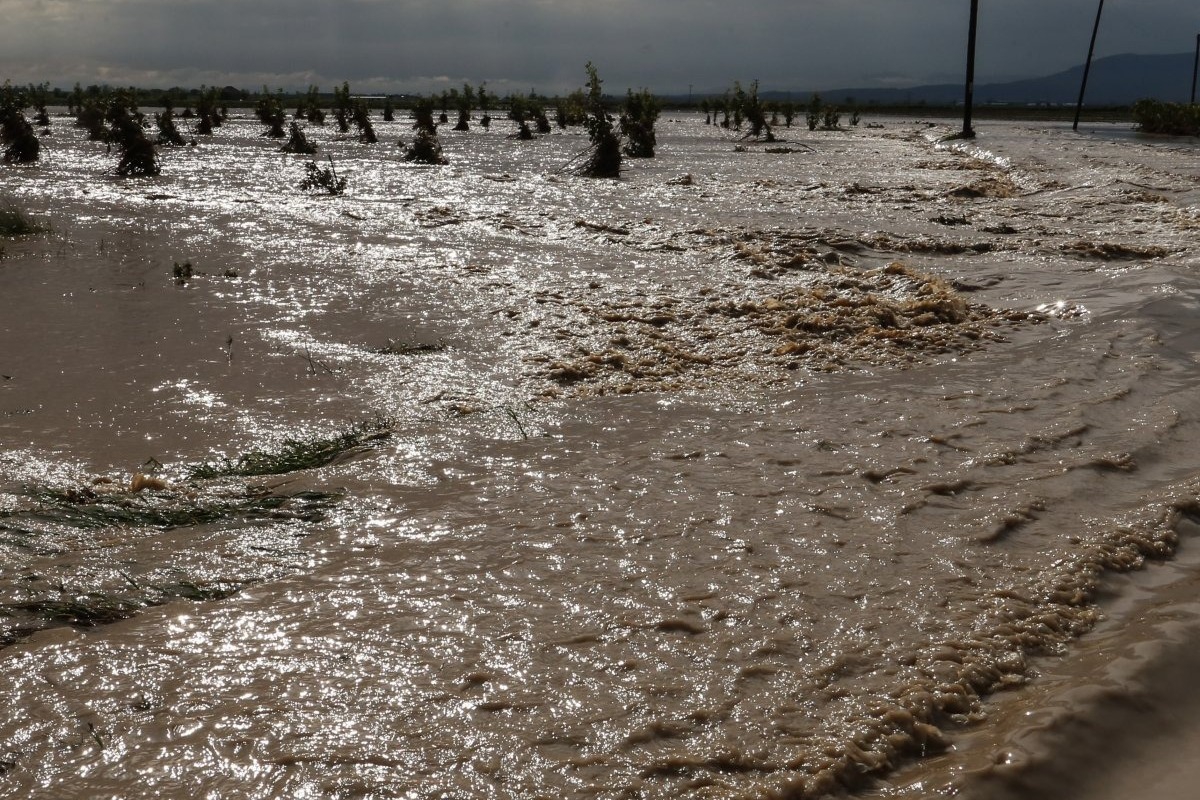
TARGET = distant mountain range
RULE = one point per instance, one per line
(1114, 81)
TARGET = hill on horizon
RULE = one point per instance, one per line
(1117, 80)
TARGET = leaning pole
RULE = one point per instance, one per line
(1195, 68)
(968, 132)
(1087, 67)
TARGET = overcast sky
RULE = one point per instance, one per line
(664, 45)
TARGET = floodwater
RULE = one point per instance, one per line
(856, 464)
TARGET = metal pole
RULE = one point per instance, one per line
(968, 132)
(1195, 69)
(1088, 66)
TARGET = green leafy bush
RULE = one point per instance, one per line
(1175, 119)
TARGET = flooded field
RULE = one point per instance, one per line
(824, 467)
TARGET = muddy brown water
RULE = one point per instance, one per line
(832, 470)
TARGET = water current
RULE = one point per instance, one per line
(768, 470)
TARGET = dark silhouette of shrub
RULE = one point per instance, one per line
(484, 101)
(269, 111)
(168, 134)
(323, 179)
(603, 159)
(342, 107)
(210, 114)
(539, 118)
(426, 148)
(813, 114)
(91, 115)
(1174, 119)
(362, 122)
(637, 124)
(298, 142)
(309, 107)
(21, 144)
(570, 110)
(138, 156)
(748, 107)
(466, 102)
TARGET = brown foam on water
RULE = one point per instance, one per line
(1115, 719)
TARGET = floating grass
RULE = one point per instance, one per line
(398, 348)
(89, 609)
(86, 507)
(295, 454)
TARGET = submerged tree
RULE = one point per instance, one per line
(1172, 119)
(207, 109)
(138, 156)
(538, 112)
(167, 132)
(571, 110)
(298, 142)
(309, 106)
(426, 148)
(342, 107)
(38, 96)
(485, 104)
(812, 114)
(637, 124)
(91, 114)
(21, 144)
(323, 179)
(788, 109)
(752, 111)
(519, 111)
(269, 111)
(604, 157)
(362, 122)
(466, 102)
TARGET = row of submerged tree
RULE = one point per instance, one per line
(615, 131)
(738, 107)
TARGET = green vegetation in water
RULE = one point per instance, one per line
(100, 506)
(1174, 119)
(296, 454)
(398, 348)
(87, 609)
(13, 222)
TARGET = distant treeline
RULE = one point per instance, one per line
(233, 97)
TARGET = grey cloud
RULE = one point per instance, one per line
(663, 44)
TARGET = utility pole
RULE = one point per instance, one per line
(1195, 69)
(968, 132)
(1087, 67)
